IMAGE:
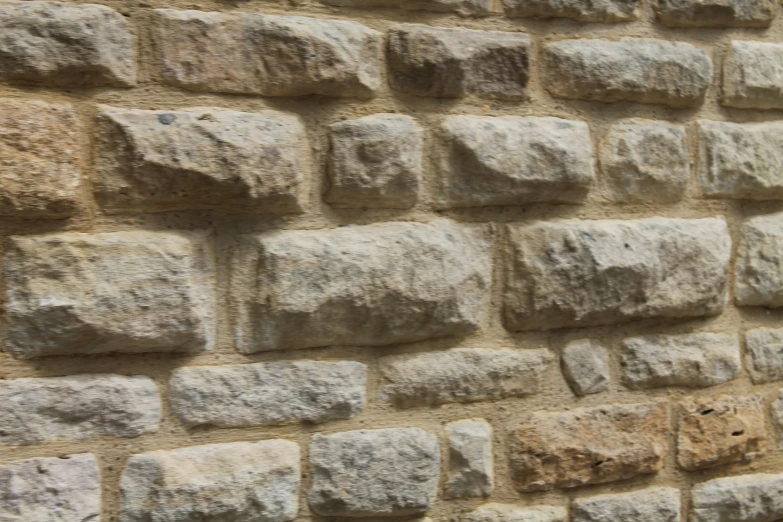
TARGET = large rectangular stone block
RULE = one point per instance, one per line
(758, 278)
(753, 75)
(606, 11)
(745, 498)
(463, 7)
(716, 13)
(644, 505)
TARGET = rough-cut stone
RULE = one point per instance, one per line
(765, 354)
(589, 446)
(77, 407)
(265, 394)
(777, 416)
(129, 292)
(463, 7)
(645, 161)
(495, 512)
(753, 75)
(66, 45)
(462, 375)
(275, 55)
(746, 498)
(644, 505)
(471, 471)
(758, 272)
(581, 273)
(64, 489)
(716, 13)
(239, 481)
(360, 285)
(374, 472)
(203, 158)
(375, 161)
(457, 62)
(694, 360)
(720, 430)
(607, 11)
(629, 69)
(512, 160)
(586, 366)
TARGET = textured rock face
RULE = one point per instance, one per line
(471, 471)
(200, 51)
(495, 512)
(462, 375)
(463, 7)
(777, 415)
(716, 13)
(630, 69)
(747, 498)
(586, 367)
(375, 161)
(201, 158)
(758, 276)
(265, 394)
(455, 62)
(589, 446)
(607, 11)
(753, 75)
(77, 407)
(374, 472)
(65, 489)
(644, 505)
(115, 292)
(360, 285)
(580, 273)
(765, 354)
(512, 160)
(239, 481)
(65, 45)
(693, 360)
(720, 430)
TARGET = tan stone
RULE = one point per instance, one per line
(496, 512)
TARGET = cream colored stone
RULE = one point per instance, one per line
(765, 354)
(496, 512)
(607, 11)
(463, 7)
(644, 505)
(753, 74)
(585, 366)
(716, 13)
(758, 274)
(746, 498)
(471, 469)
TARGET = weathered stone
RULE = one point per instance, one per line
(471, 471)
(77, 407)
(462, 375)
(581, 273)
(694, 360)
(455, 62)
(629, 69)
(128, 292)
(201, 159)
(607, 11)
(463, 7)
(64, 489)
(645, 161)
(765, 354)
(265, 394)
(589, 446)
(374, 472)
(66, 45)
(495, 512)
(512, 160)
(758, 272)
(586, 366)
(720, 430)
(716, 13)
(360, 285)
(39, 159)
(375, 161)
(746, 498)
(753, 74)
(239, 481)
(275, 55)
(777, 416)
(644, 505)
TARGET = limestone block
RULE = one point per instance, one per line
(777, 416)
(716, 13)
(645, 505)
(471, 470)
(495, 512)
(765, 354)
(746, 498)
(462, 7)
(606, 11)
(586, 366)
(758, 272)
(753, 74)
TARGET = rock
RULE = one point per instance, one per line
(238, 481)
(638, 70)
(606, 11)
(746, 498)
(471, 471)
(589, 446)
(455, 62)
(693, 360)
(278, 55)
(77, 407)
(765, 354)
(758, 275)
(645, 161)
(719, 430)
(582, 273)
(644, 505)
(375, 162)
(150, 161)
(716, 13)
(61, 489)
(462, 7)
(777, 415)
(265, 394)
(462, 375)
(753, 73)
(512, 160)
(131, 292)
(495, 512)
(360, 285)
(586, 367)
(66, 45)
(374, 472)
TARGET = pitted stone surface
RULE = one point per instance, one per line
(471, 470)
(644, 505)
(716, 13)
(586, 366)
(206, 158)
(758, 273)
(463, 7)
(746, 498)
(132, 292)
(513, 160)
(496, 512)
(777, 416)
(753, 75)
(607, 11)
(765, 354)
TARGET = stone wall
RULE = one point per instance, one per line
(349, 259)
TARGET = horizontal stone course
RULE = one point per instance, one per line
(744, 498)
(753, 75)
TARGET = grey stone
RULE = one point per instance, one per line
(586, 366)
(753, 75)
(777, 416)
(716, 13)
(495, 512)
(606, 11)
(645, 505)
(745, 498)
(238, 481)
(374, 472)
(758, 272)
(512, 160)
(471, 470)
(462, 7)
(130, 292)
(765, 354)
